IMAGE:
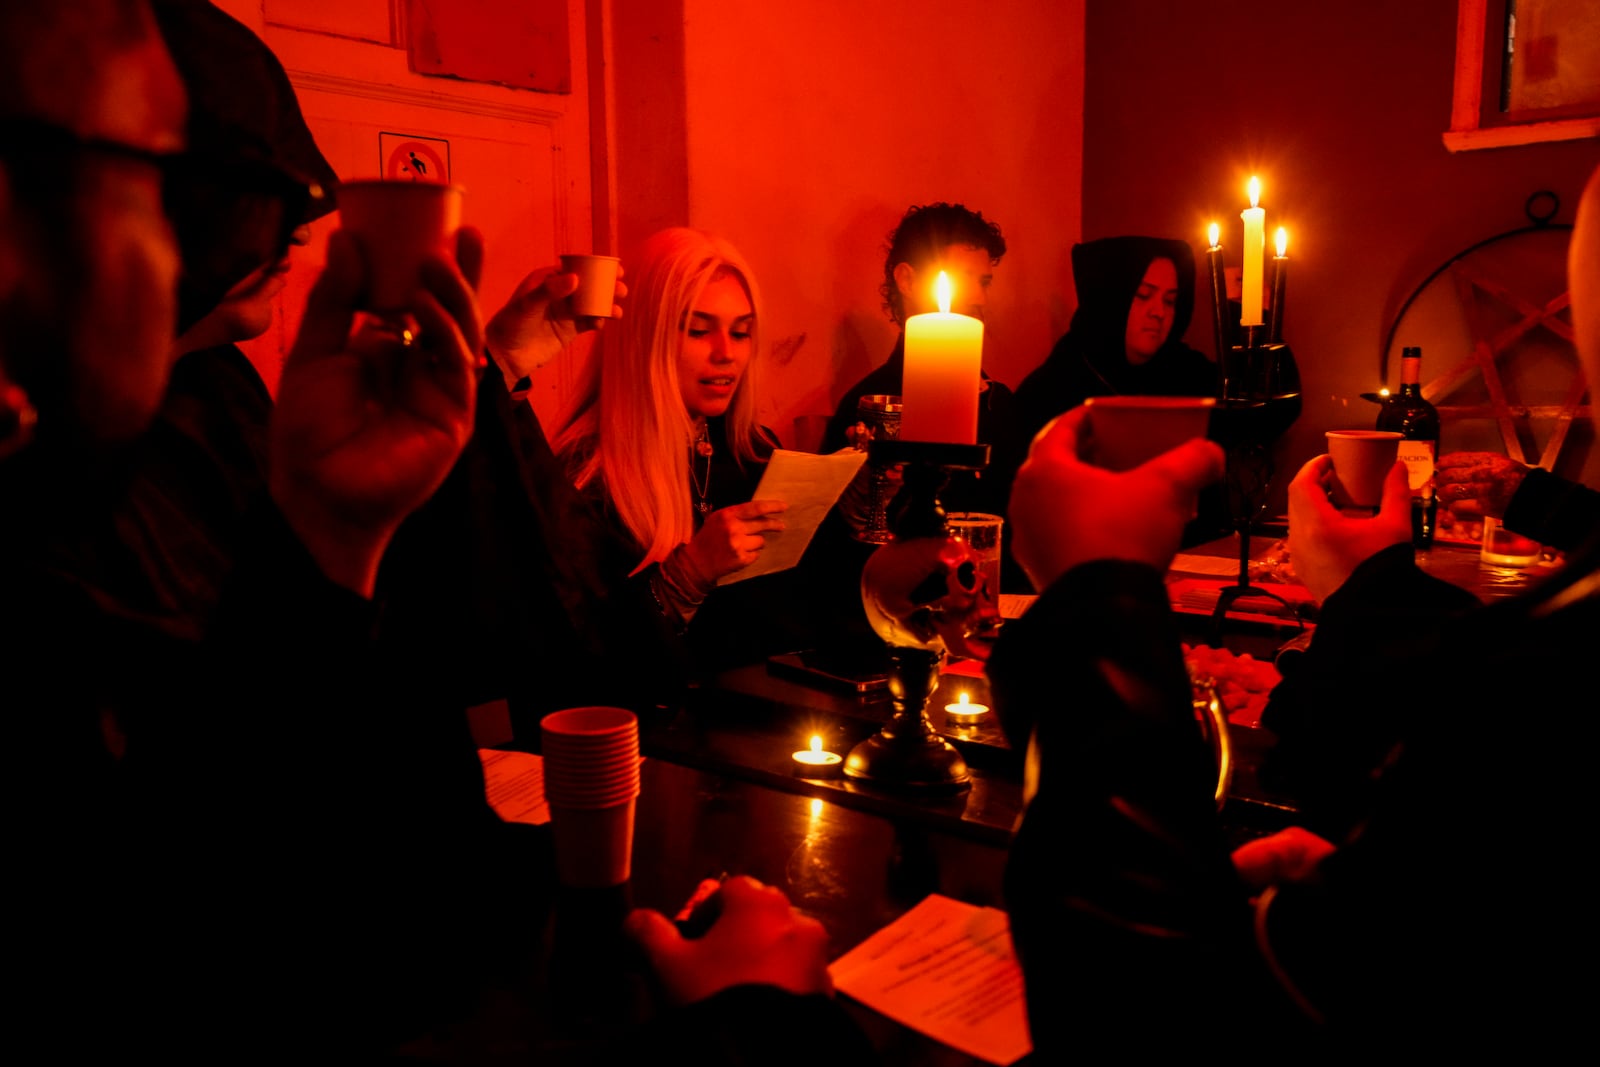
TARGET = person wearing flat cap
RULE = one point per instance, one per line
(241, 199)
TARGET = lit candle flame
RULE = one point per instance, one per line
(1282, 241)
(942, 290)
(963, 701)
(816, 743)
(1384, 391)
(1255, 191)
(1213, 233)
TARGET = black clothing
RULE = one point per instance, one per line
(741, 622)
(1091, 358)
(531, 613)
(987, 490)
(196, 481)
(1433, 924)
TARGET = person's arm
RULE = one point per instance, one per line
(1125, 906)
(1378, 612)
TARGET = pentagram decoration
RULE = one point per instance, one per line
(1498, 354)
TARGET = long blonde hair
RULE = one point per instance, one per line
(627, 425)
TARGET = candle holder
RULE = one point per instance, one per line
(1258, 398)
(880, 414)
(925, 595)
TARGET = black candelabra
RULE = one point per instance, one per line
(1258, 389)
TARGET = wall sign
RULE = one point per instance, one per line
(406, 157)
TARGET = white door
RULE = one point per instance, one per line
(523, 156)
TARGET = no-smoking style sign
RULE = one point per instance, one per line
(408, 158)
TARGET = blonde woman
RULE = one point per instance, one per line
(662, 435)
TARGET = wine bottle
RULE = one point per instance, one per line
(1418, 424)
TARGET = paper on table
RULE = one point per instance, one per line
(514, 784)
(1218, 566)
(947, 969)
(1013, 605)
(809, 484)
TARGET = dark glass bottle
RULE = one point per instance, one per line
(1418, 423)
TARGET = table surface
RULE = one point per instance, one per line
(720, 796)
(854, 871)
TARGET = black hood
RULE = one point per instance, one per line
(1106, 274)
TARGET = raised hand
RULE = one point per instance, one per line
(367, 426)
(1065, 511)
(1326, 544)
(758, 939)
(537, 322)
(1475, 484)
(731, 538)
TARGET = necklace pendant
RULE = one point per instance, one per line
(703, 507)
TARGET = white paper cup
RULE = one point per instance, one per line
(1129, 430)
(593, 846)
(591, 756)
(597, 284)
(1362, 460)
(398, 225)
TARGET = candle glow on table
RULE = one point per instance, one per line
(943, 374)
(1255, 244)
(814, 762)
(965, 710)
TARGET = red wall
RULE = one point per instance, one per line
(802, 132)
(1339, 108)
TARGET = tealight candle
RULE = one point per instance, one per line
(964, 712)
(814, 762)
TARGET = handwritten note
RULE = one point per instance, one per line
(946, 969)
(810, 485)
(514, 784)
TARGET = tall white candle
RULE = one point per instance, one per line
(943, 374)
(1255, 244)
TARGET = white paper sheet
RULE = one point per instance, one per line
(809, 484)
(514, 784)
(946, 969)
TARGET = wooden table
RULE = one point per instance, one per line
(855, 871)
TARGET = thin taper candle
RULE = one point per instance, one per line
(1219, 301)
(1280, 275)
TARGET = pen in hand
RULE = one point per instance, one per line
(702, 908)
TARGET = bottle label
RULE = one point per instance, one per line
(1418, 458)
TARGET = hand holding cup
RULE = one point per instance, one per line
(543, 317)
(1326, 544)
(1066, 511)
(367, 425)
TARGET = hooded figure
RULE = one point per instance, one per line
(1135, 300)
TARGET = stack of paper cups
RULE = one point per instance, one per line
(591, 781)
